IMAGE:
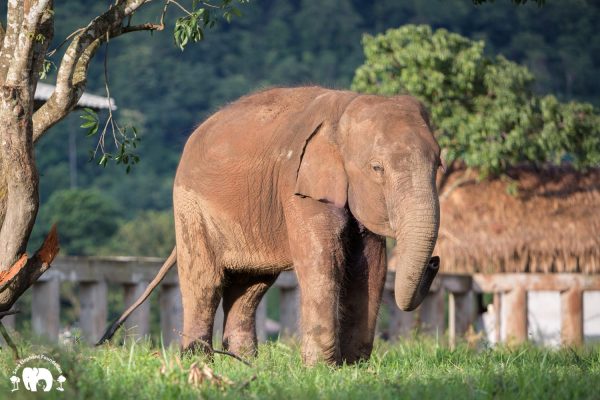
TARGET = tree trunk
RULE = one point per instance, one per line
(21, 175)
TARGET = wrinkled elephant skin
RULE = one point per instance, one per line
(309, 179)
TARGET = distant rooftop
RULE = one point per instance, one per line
(44, 90)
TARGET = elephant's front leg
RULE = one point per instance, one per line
(361, 295)
(315, 230)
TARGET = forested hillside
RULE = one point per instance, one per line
(165, 92)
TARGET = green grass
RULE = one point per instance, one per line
(416, 368)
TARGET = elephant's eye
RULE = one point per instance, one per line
(377, 167)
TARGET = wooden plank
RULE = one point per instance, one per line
(171, 314)
(456, 283)
(289, 307)
(491, 283)
(572, 317)
(45, 309)
(93, 310)
(514, 315)
(138, 323)
(120, 270)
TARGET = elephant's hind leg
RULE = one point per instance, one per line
(241, 296)
(200, 277)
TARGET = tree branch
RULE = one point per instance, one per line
(142, 27)
(14, 17)
(19, 183)
(26, 271)
(2, 32)
(21, 63)
(46, 31)
(71, 78)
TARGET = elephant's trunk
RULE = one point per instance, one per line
(417, 221)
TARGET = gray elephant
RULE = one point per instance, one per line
(311, 179)
(32, 376)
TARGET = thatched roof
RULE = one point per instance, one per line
(552, 223)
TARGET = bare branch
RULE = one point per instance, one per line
(143, 27)
(71, 36)
(461, 181)
(182, 8)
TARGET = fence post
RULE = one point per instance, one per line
(289, 304)
(171, 313)
(218, 325)
(93, 309)
(497, 317)
(10, 322)
(461, 313)
(572, 317)
(261, 320)
(401, 323)
(45, 308)
(432, 313)
(138, 322)
(514, 315)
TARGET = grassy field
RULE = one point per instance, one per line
(416, 369)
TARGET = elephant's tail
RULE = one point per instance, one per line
(169, 262)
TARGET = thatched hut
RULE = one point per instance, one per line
(533, 221)
(531, 231)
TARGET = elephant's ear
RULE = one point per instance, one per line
(321, 175)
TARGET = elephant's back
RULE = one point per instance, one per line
(247, 134)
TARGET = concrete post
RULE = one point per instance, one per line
(432, 314)
(45, 308)
(171, 314)
(138, 322)
(93, 310)
(289, 305)
(261, 320)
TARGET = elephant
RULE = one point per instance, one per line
(309, 179)
(31, 377)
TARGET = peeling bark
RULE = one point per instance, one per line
(26, 271)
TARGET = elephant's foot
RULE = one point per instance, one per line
(320, 347)
(198, 346)
(356, 353)
(241, 343)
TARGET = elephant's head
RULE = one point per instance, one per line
(379, 157)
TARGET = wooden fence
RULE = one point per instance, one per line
(92, 275)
